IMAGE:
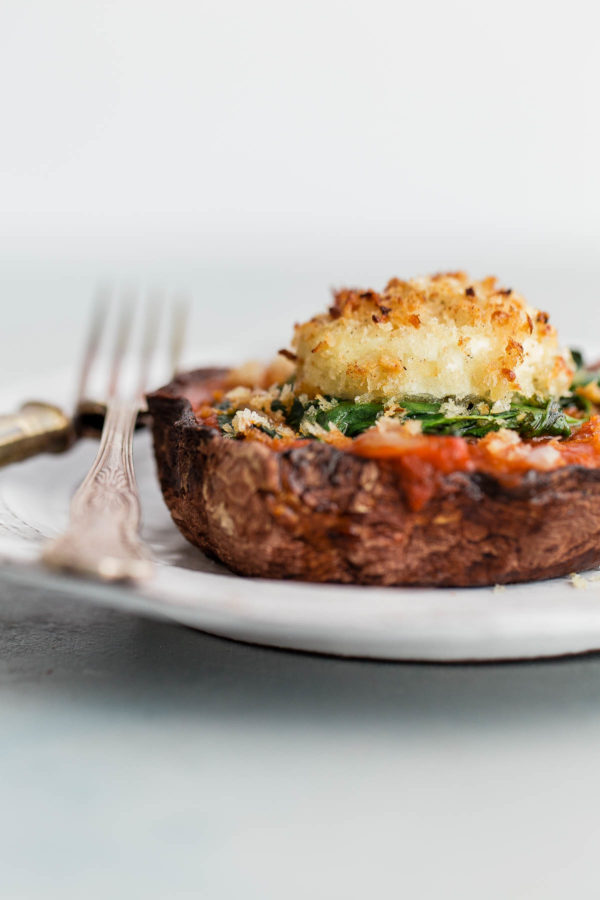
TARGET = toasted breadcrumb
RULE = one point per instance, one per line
(451, 408)
(244, 419)
(577, 581)
(589, 392)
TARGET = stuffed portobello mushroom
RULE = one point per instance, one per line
(435, 433)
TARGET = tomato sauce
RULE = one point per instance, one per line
(422, 460)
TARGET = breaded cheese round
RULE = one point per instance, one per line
(439, 336)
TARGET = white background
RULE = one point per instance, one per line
(258, 153)
(231, 120)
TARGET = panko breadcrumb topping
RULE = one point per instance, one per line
(439, 336)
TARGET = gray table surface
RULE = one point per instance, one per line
(143, 759)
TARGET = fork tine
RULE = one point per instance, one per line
(181, 311)
(96, 328)
(150, 338)
(123, 335)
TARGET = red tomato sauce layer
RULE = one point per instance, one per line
(422, 460)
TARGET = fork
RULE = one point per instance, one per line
(102, 538)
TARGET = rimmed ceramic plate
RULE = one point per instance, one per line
(549, 618)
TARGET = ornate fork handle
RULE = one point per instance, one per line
(102, 537)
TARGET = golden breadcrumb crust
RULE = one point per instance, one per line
(443, 335)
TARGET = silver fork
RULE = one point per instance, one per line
(102, 538)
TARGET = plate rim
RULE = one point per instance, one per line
(499, 629)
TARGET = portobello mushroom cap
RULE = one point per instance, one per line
(317, 513)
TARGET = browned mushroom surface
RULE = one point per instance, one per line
(361, 511)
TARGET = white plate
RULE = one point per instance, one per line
(521, 621)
